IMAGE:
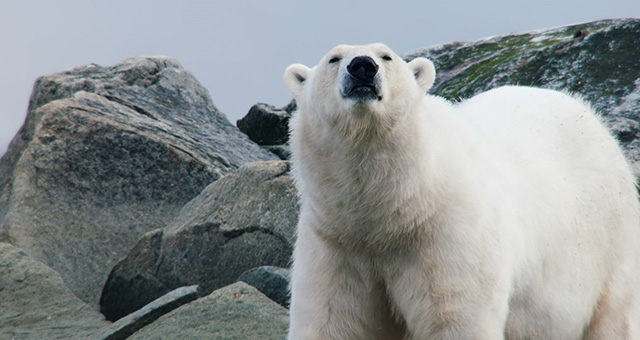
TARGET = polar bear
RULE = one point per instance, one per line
(511, 215)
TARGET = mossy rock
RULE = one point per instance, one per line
(599, 60)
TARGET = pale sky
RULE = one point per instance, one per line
(239, 49)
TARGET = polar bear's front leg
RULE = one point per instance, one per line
(332, 298)
(440, 301)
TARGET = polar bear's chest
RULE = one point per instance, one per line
(374, 210)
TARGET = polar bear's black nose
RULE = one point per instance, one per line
(363, 68)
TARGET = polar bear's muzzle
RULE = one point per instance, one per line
(361, 82)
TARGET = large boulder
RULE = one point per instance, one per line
(36, 304)
(599, 61)
(235, 312)
(107, 154)
(242, 221)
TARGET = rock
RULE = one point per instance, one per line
(107, 154)
(598, 60)
(291, 107)
(270, 281)
(235, 312)
(267, 125)
(36, 304)
(242, 221)
(282, 151)
(626, 129)
(133, 284)
(133, 322)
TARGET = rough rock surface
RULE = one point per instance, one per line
(107, 154)
(242, 221)
(270, 281)
(36, 304)
(235, 312)
(133, 322)
(599, 61)
(283, 151)
(267, 125)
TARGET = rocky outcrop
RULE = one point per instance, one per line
(35, 303)
(107, 154)
(237, 311)
(242, 221)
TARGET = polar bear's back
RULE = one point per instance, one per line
(538, 128)
(551, 147)
(529, 114)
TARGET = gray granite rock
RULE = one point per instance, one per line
(270, 281)
(235, 312)
(242, 221)
(36, 304)
(133, 322)
(107, 154)
(283, 151)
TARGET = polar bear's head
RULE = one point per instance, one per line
(359, 90)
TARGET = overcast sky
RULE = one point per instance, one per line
(239, 49)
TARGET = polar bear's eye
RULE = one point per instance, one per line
(386, 57)
(334, 60)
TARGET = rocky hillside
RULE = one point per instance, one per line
(131, 209)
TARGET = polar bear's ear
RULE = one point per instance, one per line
(424, 72)
(294, 77)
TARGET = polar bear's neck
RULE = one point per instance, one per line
(359, 193)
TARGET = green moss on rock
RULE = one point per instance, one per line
(600, 60)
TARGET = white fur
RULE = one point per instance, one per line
(511, 215)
